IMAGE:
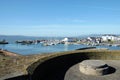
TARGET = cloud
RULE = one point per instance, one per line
(59, 29)
(71, 20)
(101, 7)
(106, 8)
(78, 20)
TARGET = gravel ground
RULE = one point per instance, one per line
(11, 75)
(74, 74)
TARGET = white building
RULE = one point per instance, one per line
(109, 37)
(65, 40)
(91, 38)
(118, 38)
(69, 39)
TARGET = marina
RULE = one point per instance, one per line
(40, 48)
(32, 45)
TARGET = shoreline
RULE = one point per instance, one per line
(9, 53)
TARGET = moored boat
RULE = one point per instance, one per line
(3, 42)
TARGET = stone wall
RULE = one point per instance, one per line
(54, 66)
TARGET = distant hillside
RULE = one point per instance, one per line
(13, 38)
(95, 35)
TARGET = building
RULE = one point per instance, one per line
(118, 38)
(91, 38)
(69, 40)
(65, 40)
(109, 37)
(95, 39)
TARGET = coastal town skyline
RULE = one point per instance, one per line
(59, 18)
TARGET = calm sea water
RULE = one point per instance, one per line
(40, 49)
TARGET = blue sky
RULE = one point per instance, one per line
(59, 17)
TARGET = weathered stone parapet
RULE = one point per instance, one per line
(56, 64)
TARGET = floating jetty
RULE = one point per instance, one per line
(86, 48)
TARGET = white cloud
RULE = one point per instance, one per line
(71, 20)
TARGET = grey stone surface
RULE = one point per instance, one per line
(74, 74)
(93, 67)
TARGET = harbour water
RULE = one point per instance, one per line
(40, 49)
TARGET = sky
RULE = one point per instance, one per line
(59, 17)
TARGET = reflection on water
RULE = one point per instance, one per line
(65, 47)
(2, 46)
